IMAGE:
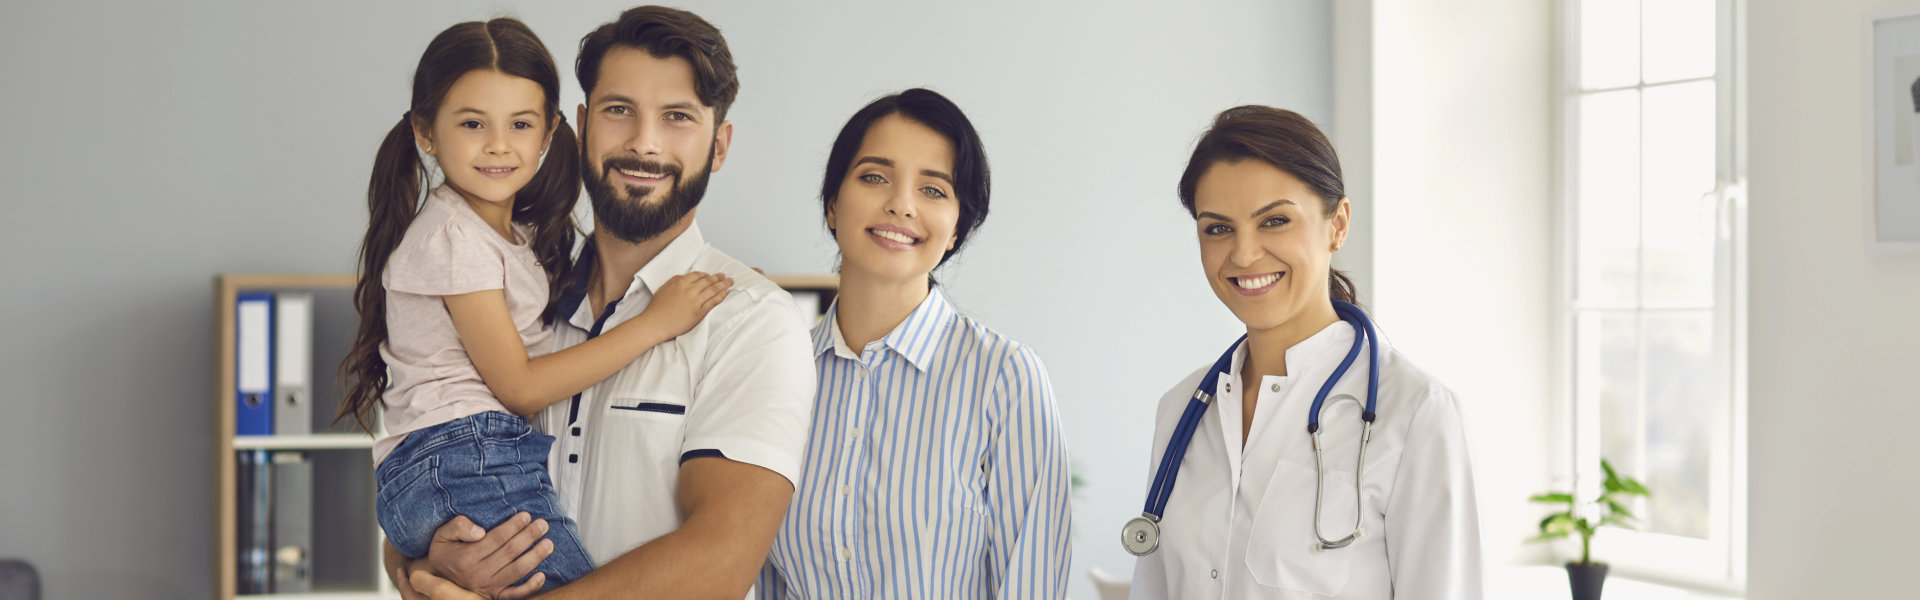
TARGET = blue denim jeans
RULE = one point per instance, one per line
(486, 466)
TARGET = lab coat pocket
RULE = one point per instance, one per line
(1282, 551)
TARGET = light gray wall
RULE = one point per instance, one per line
(1462, 145)
(1833, 464)
(150, 146)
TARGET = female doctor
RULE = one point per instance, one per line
(1375, 503)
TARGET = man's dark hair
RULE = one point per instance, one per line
(665, 33)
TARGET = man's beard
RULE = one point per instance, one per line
(634, 220)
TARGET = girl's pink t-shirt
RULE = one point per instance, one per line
(447, 251)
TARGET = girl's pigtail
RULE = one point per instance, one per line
(392, 201)
(546, 204)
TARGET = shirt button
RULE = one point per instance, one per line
(1216, 573)
(576, 431)
(856, 432)
(846, 490)
(1229, 387)
(573, 458)
(846, 553)
(1276, 387)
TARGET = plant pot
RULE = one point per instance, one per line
(1586, 579)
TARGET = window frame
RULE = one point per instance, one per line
(1717, 563)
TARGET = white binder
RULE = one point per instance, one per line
(293, 363)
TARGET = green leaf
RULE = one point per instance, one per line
(1619, 509)
(1618, 522)
(1557, 524)
(1552, 498)
(1547, 537)
(1608, 467)
(1633, 487)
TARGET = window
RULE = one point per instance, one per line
(1652, 277)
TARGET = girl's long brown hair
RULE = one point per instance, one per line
(394, 195)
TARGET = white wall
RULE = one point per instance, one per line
(1462, 169)
(152, 145)
(1835, 329)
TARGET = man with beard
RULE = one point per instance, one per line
(678, 468)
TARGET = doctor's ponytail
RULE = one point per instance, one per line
(1287, 141)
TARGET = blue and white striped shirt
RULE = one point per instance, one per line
(935, 468)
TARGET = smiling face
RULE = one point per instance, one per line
(488, 135)
(896, 211)
(648, 143)
(1266, 242)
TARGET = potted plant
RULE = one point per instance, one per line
(1586, 576)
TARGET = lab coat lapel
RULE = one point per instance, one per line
(1226, 398)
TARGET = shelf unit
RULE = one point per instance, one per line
(383, 595)
(313, 441)
(336, 288)
(336, 454)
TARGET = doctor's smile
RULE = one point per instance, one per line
(1254, 285)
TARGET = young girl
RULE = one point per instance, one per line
(456, 295)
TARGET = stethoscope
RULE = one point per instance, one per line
(1141, 536)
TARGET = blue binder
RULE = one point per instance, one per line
(253, 364)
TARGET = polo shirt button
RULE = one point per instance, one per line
(1216, 573)
(576, 431)
(1275, 387)
(573, 458)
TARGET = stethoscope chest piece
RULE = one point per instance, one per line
(1141, 536)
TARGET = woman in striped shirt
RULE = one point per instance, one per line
(936, 466)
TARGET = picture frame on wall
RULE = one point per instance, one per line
(1893, 129)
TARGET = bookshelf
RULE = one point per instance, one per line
(344, 549)
(346, 544)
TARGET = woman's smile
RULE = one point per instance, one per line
(1255, 284)
(896, 238)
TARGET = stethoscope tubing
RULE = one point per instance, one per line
(1141, 535)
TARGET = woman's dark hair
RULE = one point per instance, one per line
(972, 184)
(393, 196)
(666, 32)
(1280, 138)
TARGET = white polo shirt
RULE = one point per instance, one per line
(740, 385)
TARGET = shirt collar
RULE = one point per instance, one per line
(675, 259)
(445, 194)
(678, 257)
(1320, 351)
(916, 338)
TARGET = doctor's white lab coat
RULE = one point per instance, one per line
(1239, 523)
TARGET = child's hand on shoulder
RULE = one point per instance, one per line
(685, 299)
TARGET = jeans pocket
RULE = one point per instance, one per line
(411, 504)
